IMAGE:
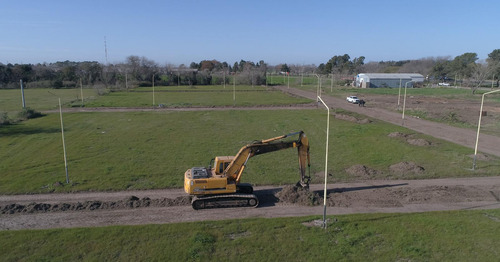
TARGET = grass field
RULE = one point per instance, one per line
(41, 99)
(183, 96)
(196, 96)
(433, 236)
(143, 150)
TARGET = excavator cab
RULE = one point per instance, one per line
(221, 163)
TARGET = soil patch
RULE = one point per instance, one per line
(418, 142)
(316, 223)
(130, 202)
(409, 138)
(481, 157)
(352, 118)
(406, 167)
(397, 134)
(361, 171)
(297, 195)
(439, 194)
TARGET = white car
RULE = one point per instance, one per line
(353, 99)
(444, 84)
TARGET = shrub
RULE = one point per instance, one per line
(4, 119)
(28, 113)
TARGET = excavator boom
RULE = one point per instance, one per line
(236, 167)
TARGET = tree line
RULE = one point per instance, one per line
(140, 71)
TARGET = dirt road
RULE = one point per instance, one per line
(467, 137)
(362, 197)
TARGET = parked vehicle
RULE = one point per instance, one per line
(353, 99)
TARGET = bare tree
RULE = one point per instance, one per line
(480, 73)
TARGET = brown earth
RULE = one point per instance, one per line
(172, 205)
(453, 110)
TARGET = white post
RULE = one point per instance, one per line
(81, 90)
(318, 92)
(288, 73)
(479, 127)
(153, 90)
(404, 102)
(22, 93)
(326, 160)
(234, 89)
(399, 94)
(64, 144)
(331, 84)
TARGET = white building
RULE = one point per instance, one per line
(375, 80)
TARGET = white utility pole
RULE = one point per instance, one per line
(22, 93)
(326, 160)
(404, 103)
(399, 93)
(64, 144)
(81, 90)
(479, 127)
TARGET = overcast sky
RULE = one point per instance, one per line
(293, 32)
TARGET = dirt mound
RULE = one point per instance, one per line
(481, 157)
(130, 202)
(352, 119)
(364, 121)
(409, 139)
(418, 142)
(297, 195)
(406, 167)
(397, 134)
(316, 223)
(362, 171)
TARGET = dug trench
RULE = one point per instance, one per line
(366, 194)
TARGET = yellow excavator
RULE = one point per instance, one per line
(219, 186)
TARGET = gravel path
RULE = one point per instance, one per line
(467, 137)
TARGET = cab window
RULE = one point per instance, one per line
(221, 168)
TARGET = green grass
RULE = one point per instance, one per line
(196, 96)
(433, 236)
(41, 99)
(144, 150)
(183, 96)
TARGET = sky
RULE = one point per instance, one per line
(292, 32)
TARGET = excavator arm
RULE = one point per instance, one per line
(235, 169)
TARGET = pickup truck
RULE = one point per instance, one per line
(353, 99)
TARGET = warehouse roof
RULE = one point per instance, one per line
(392, 76)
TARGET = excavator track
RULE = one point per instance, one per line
(230, 200)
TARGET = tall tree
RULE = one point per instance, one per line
(494, 63)
(464, 64)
